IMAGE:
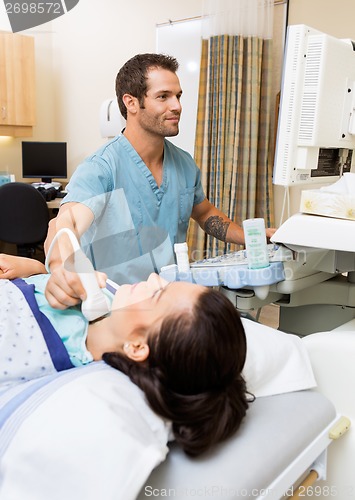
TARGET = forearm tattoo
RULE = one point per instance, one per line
(217, 227)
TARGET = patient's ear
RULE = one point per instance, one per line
(137, 350)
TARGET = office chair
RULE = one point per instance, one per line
(24, 217)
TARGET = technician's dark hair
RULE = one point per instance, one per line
(193, 373)
(132, 77)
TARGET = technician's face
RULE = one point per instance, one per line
(162, 107)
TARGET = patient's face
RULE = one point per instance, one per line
(149, 301)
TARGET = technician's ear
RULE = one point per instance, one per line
(137, 350)
(130, 102)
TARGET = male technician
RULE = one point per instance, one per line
(132, 199)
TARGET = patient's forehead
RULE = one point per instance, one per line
(184, 287)
(168, 297)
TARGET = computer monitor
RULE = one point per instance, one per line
(44, 160)
(316, 126)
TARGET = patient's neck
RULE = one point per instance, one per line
(102, 338)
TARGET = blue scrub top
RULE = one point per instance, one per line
(136, 222)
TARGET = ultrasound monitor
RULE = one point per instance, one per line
(316, 126)
(44, 160)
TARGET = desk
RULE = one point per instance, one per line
(54, 204)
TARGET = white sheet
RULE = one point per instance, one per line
(87, 434)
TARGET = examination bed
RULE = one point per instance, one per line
(278, 441)
(282, 447)
(88, 433)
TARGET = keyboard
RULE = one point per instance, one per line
(277, 253)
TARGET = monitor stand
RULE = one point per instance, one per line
(48, 180)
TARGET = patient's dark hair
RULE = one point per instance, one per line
(132, 77)
(193, 372)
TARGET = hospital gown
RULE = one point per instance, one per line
(35, 339)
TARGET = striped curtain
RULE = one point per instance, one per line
(233, 133)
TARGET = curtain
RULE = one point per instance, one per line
(233, 140)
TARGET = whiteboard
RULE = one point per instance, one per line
(182, 40)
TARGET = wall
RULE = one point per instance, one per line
(334, 18)
(90, 45)
(77, 59)
(88, 56)
(188, 53)
(78, 55)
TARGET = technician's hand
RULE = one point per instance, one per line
(12, 266)
(64, 288)
(270, 231)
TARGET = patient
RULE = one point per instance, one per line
(183, 344)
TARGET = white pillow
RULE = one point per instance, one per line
(276, 362)
(86, 433)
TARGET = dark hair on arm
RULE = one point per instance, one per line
(193, 373)
(132, 77)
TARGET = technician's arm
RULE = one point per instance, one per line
(64, 288)
(216, 223)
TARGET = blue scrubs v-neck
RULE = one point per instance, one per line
(158, 191)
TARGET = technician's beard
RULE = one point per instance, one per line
(173, 134)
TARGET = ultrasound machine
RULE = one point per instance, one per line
(311, 275)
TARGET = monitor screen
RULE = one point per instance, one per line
(44, 160)
(316, 124)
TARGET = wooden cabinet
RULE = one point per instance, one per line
(17, 85)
